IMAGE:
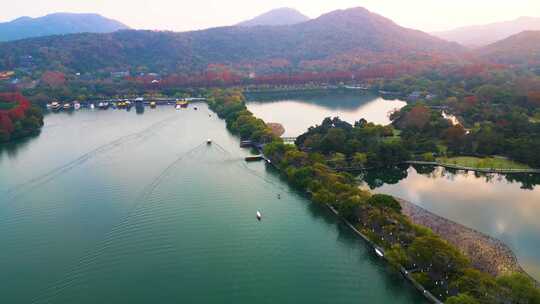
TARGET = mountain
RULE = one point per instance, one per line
(280, 16)
(482, 35)
(57, 24)
(339, 40)
(523, 48)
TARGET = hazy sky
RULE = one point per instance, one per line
(181, 15)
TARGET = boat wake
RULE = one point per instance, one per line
(87, 260)
(33, 183)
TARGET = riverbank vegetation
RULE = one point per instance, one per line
(417, 133)
(18, 118)
(497, 109)
(424, 130)
(435, 263)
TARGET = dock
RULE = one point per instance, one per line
(254, 158)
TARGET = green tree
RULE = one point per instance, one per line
(518, 288)
(461, 298)
(334, 141)
(385, 201)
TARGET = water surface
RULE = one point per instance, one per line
(115, 207)
(300, 111)
(504, 207)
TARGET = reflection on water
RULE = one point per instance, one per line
(115, 207)
(506, 207)
(12, 148)
(298, 112)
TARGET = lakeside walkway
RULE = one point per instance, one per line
(484, 170)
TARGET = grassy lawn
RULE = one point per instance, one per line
(487, 162)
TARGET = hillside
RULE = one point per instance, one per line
(338, 40)
(483, 35)
(57, 24)
(523, 48)
(280, 16)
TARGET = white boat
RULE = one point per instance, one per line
(209, 141)
(178, 107)
(67, 106)
(92, 106)
(379, 252)
(56, 106)
(103, 105)
(259, 215)
(76, 105)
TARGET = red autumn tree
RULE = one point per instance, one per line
(53, 79)
(418, 117)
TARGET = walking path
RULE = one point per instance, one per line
(485, 170)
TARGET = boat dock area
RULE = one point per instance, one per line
(156, 101)
(122, 103)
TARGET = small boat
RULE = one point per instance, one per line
(76, 105)
(103, 105)
(259, 215)
(182, 103)
(92, 106)
(153, 104)
(195, 108)
(379, 252)
(55, 106)
(178, 107)
(67, 106)
(209, 141)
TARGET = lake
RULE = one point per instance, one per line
(125, 207)
(298, 112)
(504, 207)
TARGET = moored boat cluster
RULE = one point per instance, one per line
(57, 106)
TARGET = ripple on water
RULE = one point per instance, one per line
(169, 219)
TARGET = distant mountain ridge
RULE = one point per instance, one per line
(483, 35)
(280, 16)
(339, 40)
(519, 49)
(57, 24)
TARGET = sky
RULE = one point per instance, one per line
(183, 15)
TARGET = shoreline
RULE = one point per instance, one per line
(483, 170)
(486, 253)
(406, 275)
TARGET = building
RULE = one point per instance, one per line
(5, 75)
(120, 74)
(414, 96)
